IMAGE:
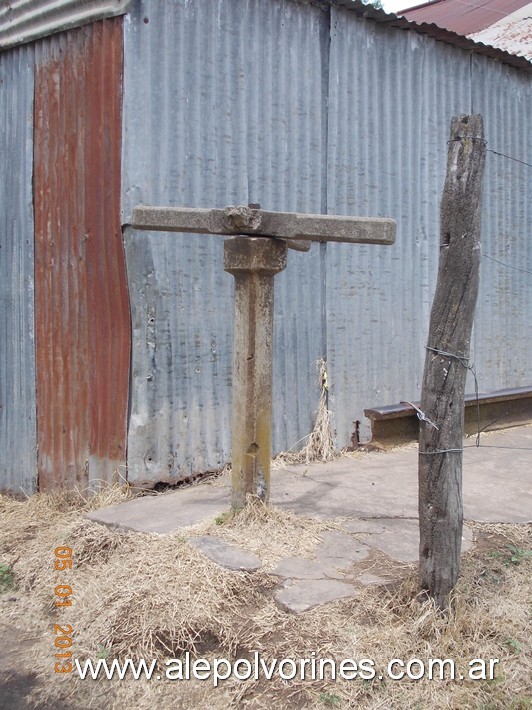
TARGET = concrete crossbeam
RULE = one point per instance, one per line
(256, 222)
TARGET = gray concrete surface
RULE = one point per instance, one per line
(299, 595)
(253, 262)
(166, 512)
(376, 493)
(287, 225)
(228, 556)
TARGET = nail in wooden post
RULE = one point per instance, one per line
(253, 261)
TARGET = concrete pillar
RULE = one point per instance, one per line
(253, 261)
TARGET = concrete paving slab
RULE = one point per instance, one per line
(303, 595)
(228, 556)
(341, 546)
(376, 493)
(362, 527)
(350, 487)
(364, 489)
(400, 539)
(303, 568)
(498, 477)
(366, 579)
(497, 482)
(166, 512)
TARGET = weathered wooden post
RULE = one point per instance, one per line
(254, 255)
(447, 362)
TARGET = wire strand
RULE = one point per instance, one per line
(482, 7)
(502, 263)
(496, 152)
(442, 451)
(464, 361)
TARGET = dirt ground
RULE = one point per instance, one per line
(151, 596)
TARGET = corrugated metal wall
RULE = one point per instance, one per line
(225, 102)
(18, 435)
(81, 302)
(25, 20)
(301, 108)
(297, 106)
(503, 326)
(392, 95)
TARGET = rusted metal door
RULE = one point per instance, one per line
(82, 319)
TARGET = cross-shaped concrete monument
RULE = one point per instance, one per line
(254, 255)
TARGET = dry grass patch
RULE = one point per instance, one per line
(270, 533)
(151, 596)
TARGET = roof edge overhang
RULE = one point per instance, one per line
(438, 33)
(23, 21)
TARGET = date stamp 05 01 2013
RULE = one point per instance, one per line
(63, 633)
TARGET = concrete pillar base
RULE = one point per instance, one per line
(253, 261)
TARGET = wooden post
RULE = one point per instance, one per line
(447, 362)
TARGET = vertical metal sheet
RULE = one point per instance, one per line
(392, 95)
(81, 302)
(18, 436)
(25, 20)
(225, 102)
(503, 326)
(295, 107)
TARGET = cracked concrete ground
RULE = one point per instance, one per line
(375, 494)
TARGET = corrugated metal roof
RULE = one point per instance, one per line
(26, 20)
(81, 302)
(461, 17)
(513, 33)
(18, 434)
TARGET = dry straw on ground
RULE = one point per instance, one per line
(268, 532)
(156, 596)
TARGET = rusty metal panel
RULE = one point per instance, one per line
(23, 21)
(513, 33)
(81, 300)
(463, 17)
(218, 111)
(18, 435)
